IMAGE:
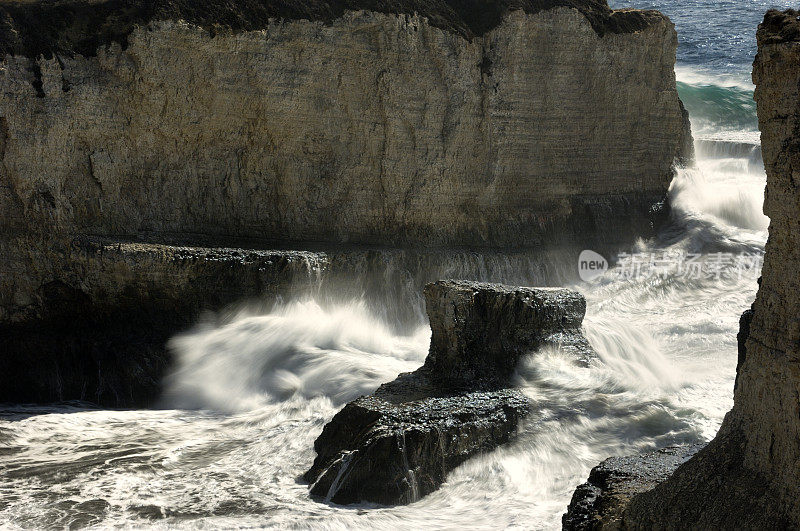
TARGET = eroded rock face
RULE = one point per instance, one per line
(398, 444)
(100, 334)
(481, 330)
(747, 477)
(504, 124)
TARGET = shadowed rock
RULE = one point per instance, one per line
(68, 27)
(480, 331)
(99, 331)
(398, 444)
(600, 502)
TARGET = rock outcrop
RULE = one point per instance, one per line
(100, 334)
(398, 444)
(747, 477)
(601, 501)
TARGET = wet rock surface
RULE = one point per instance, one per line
(398, 444)
(481, 330)
(389, 448)
(98, 332)
(600, 502)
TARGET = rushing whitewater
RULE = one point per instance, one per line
(252, 390)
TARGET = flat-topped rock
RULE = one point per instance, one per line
(479, 330)
(98, 330)
(399, 444)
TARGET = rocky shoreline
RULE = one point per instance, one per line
(432, 126)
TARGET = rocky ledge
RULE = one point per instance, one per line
(599, 503)
(398, 444)
(98, 332)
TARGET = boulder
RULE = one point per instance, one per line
(398, 444)
(599, 503)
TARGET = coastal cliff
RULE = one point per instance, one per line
(525, 124)
(747, 477)
(544, 123)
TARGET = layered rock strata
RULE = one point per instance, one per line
(497, 124)
(747, 477)
(398, 444)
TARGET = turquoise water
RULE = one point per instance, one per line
(716, 49)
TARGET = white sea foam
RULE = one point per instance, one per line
(252, 392)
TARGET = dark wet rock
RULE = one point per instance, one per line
(741, 341)
(400, 443)
(481, 330)
(388, 449)
(149, 512)
(99, 332)
(599, 503)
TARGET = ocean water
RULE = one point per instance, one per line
(250, 393)
(716, 48)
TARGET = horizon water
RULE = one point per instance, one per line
(251, 392)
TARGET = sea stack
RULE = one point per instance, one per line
(398, 444)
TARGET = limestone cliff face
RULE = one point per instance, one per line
(543, 124)
(748, 475)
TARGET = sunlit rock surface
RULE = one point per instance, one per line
(496, 124)
(398, 444)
